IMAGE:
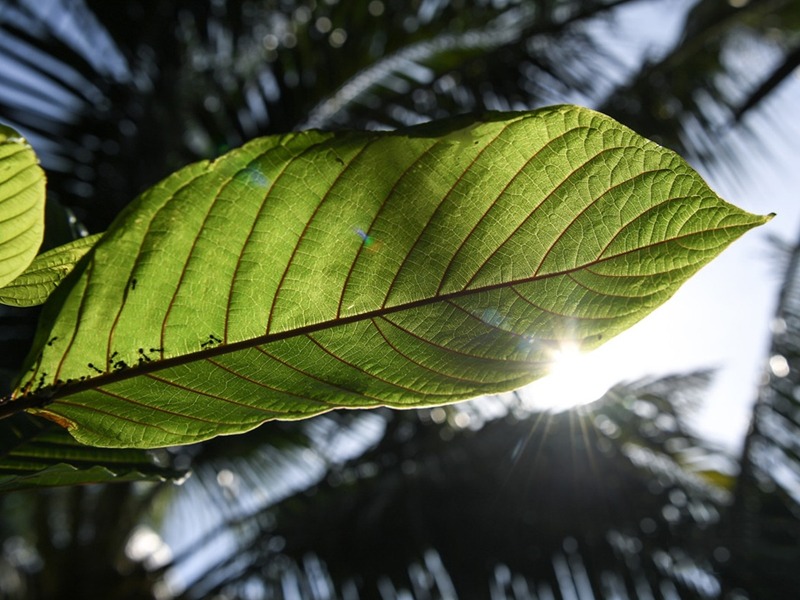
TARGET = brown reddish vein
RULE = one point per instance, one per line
(632, 275)
(508, 331)
(375, 219)
(608, 294)
(115, 322)
(81, 307)
(531, 215)
(186, 388)
(90, 408)
(136, 262)
(253, 228)
(307, 226)
(315, 378)
(641, 215)
(192, 249)
(629, 180)
(261, 384)
(493, 203)
(572, 317)
(373, 375)
(422, 366)
(441, 203)
(453, 350)
(151, 406)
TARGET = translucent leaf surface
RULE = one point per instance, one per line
(319, 270)
(21, 204)
(46, 271)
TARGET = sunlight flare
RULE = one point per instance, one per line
(574, 379)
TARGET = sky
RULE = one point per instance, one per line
(721, 317)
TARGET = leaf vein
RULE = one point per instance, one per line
(223, 399)
(369, 373)
(375, 219)
(452, 350)
(306, 227)
(493, 203)
(441, 203)
(262, 384)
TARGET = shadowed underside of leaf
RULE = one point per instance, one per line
(316, 270)
(36, 453)
(21, 205)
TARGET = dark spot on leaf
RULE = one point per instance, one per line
(62, 421)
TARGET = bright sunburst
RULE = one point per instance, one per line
(573, 380)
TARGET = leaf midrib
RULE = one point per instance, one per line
(49, 394)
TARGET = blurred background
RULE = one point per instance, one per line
(664, 465)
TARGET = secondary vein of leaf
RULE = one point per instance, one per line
(363, 371)
(307, 227)
(491, 206)
(416, 362)
(314, 377)
(275, 180)
(378, 215)
(189, 258)
(443, 202)
(137, 259)
(260, 384)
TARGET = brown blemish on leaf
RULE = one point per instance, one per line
(57, 419)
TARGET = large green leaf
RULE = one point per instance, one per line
(317, 270)
(21, 204)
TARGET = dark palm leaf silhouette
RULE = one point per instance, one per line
(617, 501)
(700, 92)
(763, 525)
(438, 509)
